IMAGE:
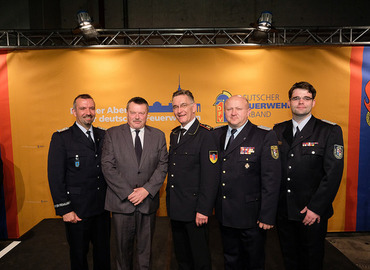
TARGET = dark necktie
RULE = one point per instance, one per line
(231, 139)
(297, 133)
(182, 131)
(90, 138)
(138, 148)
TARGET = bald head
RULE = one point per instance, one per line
(237, 111)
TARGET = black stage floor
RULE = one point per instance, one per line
(44, 247)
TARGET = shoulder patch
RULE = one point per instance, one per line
(206, 126)
(327, 121)
(63, 129)
(264, 128)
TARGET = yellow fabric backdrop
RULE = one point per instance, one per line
(43, 84)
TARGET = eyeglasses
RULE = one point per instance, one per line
(182, 106)
(299, 98)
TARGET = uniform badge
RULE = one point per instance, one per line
(247, 165)
(77, 161)
(246, 150)
(274, 151)
(338, 151)
(304, 144)
(213, 156)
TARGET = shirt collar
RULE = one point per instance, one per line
(84, 129)
(188, 125)
(302, 124)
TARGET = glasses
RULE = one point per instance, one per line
(182, 106)
(299, 98)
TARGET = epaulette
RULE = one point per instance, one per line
(101, 128)
(331, 123)
(206, 126)
(264, 128)
(63, 129)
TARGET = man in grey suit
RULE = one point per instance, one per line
(134, 163)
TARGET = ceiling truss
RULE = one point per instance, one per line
(196, 37)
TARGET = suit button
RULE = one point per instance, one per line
(98, 165)
(292, 155)
(172, 175)
(67, 192)
(96, 155)
(224, 159)
(224, 197)
(98, 177)
(313, 152)
(223, 171)
(289, 167)
(223, 184)
(288, 179)
(174, 164)
(98, 188)
(289, 191)
(172, 186)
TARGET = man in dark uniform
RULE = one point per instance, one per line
(78, 187)
(312, 166)
(191, 184)
(249, 186)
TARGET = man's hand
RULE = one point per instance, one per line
(138, 195)
(201, 219)
(71, 217)
(264, 225)
(310, 217)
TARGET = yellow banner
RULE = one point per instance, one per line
(43, 84)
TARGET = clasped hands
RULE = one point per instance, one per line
(138, 196)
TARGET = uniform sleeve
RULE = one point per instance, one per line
(156, 180)
(209, 175)
(57, 168)
(333, 170)
(270, 178)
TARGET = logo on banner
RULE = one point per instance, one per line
(220, 106)
(367, 104)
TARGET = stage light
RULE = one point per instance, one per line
(85, 25)
(265, 21)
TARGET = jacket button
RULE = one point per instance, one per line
(172, 186)
(223, 184)
(289, 191)
(313, 152)
(223, 171)
(288, 179)
(224, 197)
(98, 165)
(174, 164)
(172, 175)
(289, 167)
(292, 155)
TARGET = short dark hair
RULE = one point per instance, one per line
(183, 92)
(83, 96)
(302, 85)
(138, 100)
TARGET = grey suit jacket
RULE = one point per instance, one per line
(123, 173)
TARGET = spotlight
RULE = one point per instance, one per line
(85, 25)
(265, 21)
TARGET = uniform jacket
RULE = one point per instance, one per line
(123, 173)
(250, 178)
(75, 177)
(312, 166)
(192, 176)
